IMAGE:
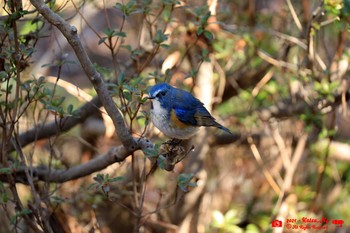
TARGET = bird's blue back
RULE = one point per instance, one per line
(188, 109)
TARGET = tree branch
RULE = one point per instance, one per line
(288, 108)
(65, 124)
(41, 173)
(70, 33)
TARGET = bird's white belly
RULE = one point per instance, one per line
(161, 119)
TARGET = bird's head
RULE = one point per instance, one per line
(162, 93)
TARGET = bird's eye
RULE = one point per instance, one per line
(162, 93)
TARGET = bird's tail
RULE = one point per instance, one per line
(223, 128)
(203, 118)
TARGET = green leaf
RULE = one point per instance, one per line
(121, 78)
(99, 178)
(5, 170)
(109, 32)
(218, 219)
(58, 101)
(21, 213)
(41, 80)
(130, 88)
(231, 216)
(150, 152)
(70, 108)
(205, 54)
(205, 18)
(171, 2)
(128, 47)
(161, 162)
(184, 181)
(129, 8)
(3, 75)
(102, 40)
(200, 31)
(117, 179)
(142, 100)
(252, 228)
(346, 7)
(4, 198)
(193, 73)
(53, 108)
(93, 185)
(57, 199)
(165, 46)
(208, 35)
(160, 37)
(120, 34)
(167, 13)
(31, 26)
(127, 95)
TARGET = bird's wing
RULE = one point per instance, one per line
(186, 108)
(191, 111)
(185, 115)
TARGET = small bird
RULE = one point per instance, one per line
(177, 113)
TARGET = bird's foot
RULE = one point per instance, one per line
(173, 142)
(171, 155)
(181, 157)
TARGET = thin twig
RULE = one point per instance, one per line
(266, 172)
(297, 155)
(323, 167)
(71, 34)
(294, 15)
(267, 77)
(51, 129)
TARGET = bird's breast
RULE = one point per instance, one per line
(159, 115)
(168, 123)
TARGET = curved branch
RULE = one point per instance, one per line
(41, 173)
(287, 108)
(71, 34)
(65, 124)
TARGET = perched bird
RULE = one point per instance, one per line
(177, 113)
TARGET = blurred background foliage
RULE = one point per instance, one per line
(275, 72)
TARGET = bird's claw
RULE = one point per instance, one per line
(173, 142)
(172, 155)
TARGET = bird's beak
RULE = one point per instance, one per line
(151, 98)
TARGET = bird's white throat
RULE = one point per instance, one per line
(158, 109)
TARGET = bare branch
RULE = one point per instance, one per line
(282, 203)
(114, 155)
(268, 176)
(294, 15)
(66, 123)
(289, 108)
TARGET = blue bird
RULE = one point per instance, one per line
(177, 113)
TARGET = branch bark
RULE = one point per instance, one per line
(53, 128)
(114, 155)
(71, 34)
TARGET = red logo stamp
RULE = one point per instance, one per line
(306, 223)
(338, 222)
(276, 223)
